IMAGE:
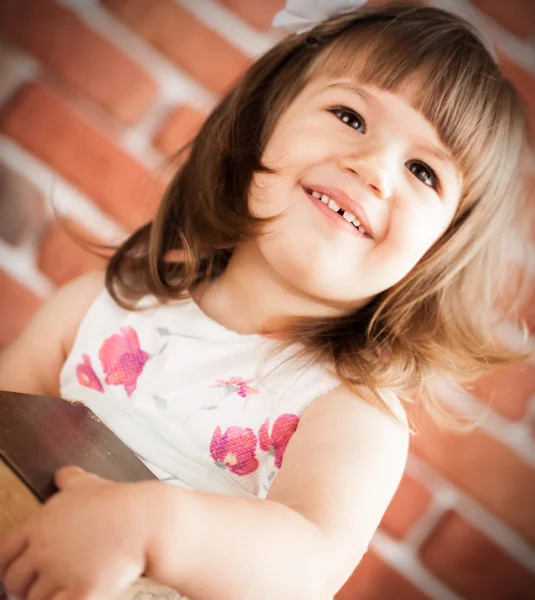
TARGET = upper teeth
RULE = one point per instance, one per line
(333, 206)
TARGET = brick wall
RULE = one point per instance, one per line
(93, 96)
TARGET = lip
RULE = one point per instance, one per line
(335, 218)
(345, 202)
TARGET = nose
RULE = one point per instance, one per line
(374, 168)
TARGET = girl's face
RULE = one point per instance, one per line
(365, 152)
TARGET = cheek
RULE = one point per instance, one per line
(300, 143)
(266, 199)
(418, 229)
(409, 237)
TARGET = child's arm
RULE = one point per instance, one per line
(32, 363)
(340, 471)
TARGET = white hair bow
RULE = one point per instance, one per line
(302, 15)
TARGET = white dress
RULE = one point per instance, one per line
(204, 407)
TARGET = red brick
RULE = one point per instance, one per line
(473, 565)
(193, 46)
(91, 64)
(17, 306)
(375, 580)
(21, 206)
(259, 14)
(409, 502)
(180, 127)
(524, 83)
(42, 121)
(516, 15)
(487, 470)
(508, 391)
(61, 257)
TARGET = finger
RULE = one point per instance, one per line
(43, 588)
(20, 577)
(67, 476)
(12, 546)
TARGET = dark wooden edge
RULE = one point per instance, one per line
(40, 434)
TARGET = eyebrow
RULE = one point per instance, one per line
(355, 89)
(368, 98)
(444, 157)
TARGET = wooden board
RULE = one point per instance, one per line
(38, 435)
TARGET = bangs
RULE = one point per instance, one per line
(445, 73)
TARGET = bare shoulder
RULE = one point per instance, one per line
(367, 436)
(32, 363)
(351, 410)
(76, 297)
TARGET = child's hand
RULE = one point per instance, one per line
(87, 542)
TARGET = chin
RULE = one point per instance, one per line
(320, 287)
(313, 275)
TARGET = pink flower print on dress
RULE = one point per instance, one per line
(86, 375)
(235, 450)
(283, 429)
(122, 359)
(239, 385)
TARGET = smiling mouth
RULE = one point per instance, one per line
(332, 205)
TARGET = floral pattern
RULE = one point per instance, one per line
(237, 385)
(235, 450)
(283, 429)
(86, 375)
(122, 359)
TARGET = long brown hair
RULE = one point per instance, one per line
(440, 320)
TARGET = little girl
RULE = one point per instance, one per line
(332, 245)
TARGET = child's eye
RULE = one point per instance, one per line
(350, 118)
(422, 171)
(425, 174)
